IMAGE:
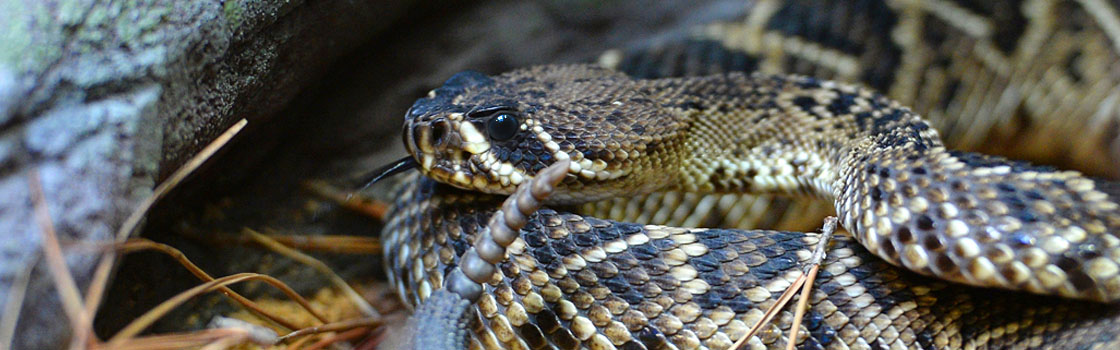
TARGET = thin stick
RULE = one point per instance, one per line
(344, 336)
(799, 314)
(14, 304)
(145, 320)
(63, 279)
(772, 311)
(298, 343)
(318, 265)
(180, 340)
(333, 327)
(334, 244)
(829, 228)
(223, 343)
(176, 177)
(137, 244)
(100, 279)
(370, 207)
(815, 260)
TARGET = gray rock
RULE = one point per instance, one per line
(104, 99)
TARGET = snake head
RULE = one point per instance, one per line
(491, 133)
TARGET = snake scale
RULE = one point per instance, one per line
(914, 209)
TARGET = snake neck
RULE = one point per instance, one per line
(778, 134)
(974, 219)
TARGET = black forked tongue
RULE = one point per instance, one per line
(391, 169)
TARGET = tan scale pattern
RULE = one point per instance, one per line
(962, 217)
(985, 90)
(1057, 80)
(982, 94)
(609, 285)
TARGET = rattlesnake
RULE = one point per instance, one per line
(576, 280)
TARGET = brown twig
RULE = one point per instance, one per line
(370, 207)
(298, 343)
(137, 244)
(799, 314)
(815, 260)
(334, 244)
(368, 322)
(344, 336)
(222, 344)
(803, 283)
(67, 289)
(100, 279)
(145, 320)
(14, 303)
(177, 177)
(316, 264)
(181, 340)
(772, 311)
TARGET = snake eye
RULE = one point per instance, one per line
(503, 126)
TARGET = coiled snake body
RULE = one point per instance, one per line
(573, 280)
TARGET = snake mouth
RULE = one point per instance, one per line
(442, 154)
(451, 167)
